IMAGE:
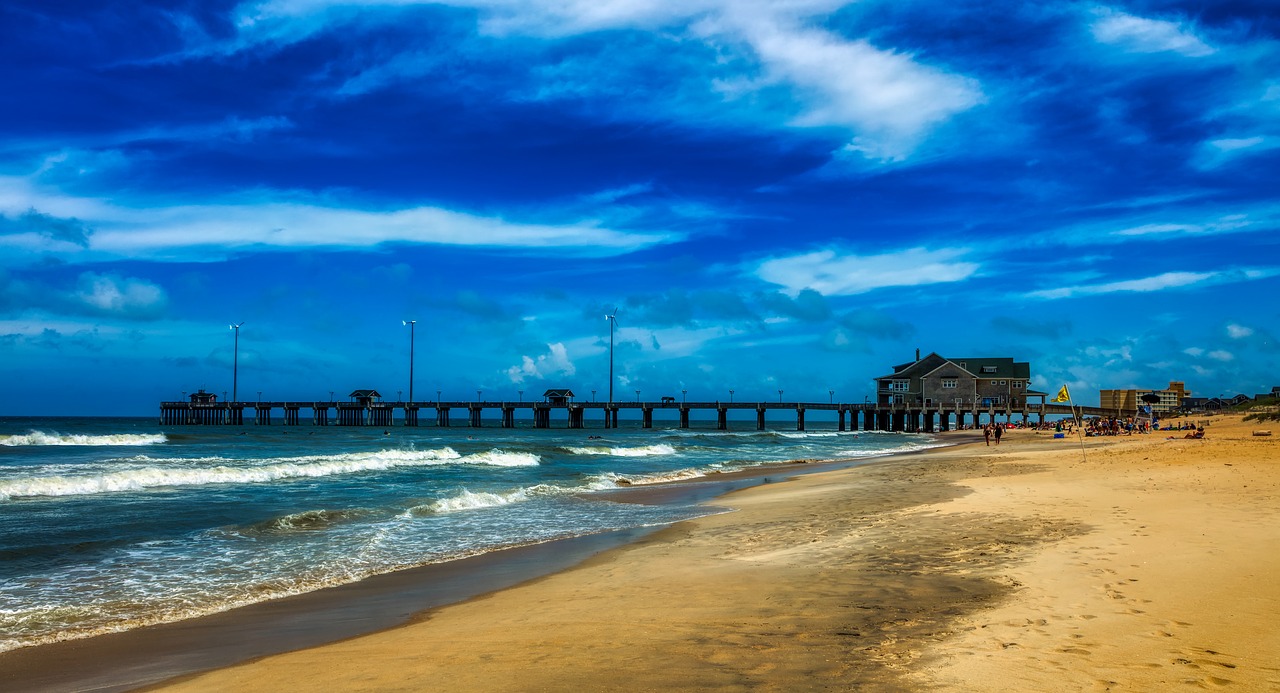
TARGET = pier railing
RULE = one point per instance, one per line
(899, 417)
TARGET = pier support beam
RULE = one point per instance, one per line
(799, 419)
(646, 417)
(760, 418)
(442, 416)
(722, 419)
(474, 415)
(411, 415)
(576, 418)
(684, 417)
(841, 416)
(508, 417)
(263, 417)
(291, 415)
(319, 415)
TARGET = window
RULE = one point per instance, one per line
(988, 369)
(948, 383)
(993, 382)
(1017, 384)
(899, 385)
(1004, 382)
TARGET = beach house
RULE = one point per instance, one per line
(935, 380)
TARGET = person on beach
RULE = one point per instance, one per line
(986, 433)
(999, 431)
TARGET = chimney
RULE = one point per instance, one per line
(917, 353)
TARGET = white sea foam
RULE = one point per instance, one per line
(641, 451)
(54, 438)
(470, 500)
(160, 473)
(614, 480)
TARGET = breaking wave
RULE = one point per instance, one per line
(642, 451)
(156, 473)
(43, 438)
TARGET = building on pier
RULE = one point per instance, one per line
(977, 382)
(558, 397)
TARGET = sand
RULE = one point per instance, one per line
(1145, 563)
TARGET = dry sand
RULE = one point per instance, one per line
(1151, 563)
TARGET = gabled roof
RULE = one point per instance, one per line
(558, 392)
(916, 369)
(1005, 367)
(949, 362)
(365, 393)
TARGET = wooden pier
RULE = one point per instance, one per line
(576, 415)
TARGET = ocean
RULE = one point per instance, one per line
(109, 524)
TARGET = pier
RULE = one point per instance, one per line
(580, 415)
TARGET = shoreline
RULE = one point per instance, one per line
(1138, 563)
(145, 656)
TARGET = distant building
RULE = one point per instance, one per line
(202, 397)
(1171, 398)
(981, 382)
(365, 397)
(558, 397)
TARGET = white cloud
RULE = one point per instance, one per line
(1193, 351)
(832, 274)
(1220, 355)
(1142, 35)
(1168, 280)
(553, 363)
(195, 231)
(888, 100)
(1239, 331)
(119, 295)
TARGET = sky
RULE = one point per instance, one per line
(789, 195)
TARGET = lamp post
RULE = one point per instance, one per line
(730, 396)
(779, 396)
(637, 396)
(521, 393)
(235, 363)
(593, 395)
(831, 396)
(437, 396)
(478, 395)
(613, 321)
(683, 395)
(412, 324)
(399, 397)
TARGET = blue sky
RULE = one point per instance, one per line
(774, 195)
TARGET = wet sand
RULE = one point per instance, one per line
(1142, 563)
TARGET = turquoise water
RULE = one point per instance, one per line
(112, 524)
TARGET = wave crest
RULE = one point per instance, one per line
(156, 476)
(32, 438)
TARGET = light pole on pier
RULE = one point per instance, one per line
(831, 396)
(730, 396)
(613, 322)
(683, 395)
(521, 392)
(412, 324)
(478, 395)
(779, 396)
(637, 396)
(437, 396)
(235, 363)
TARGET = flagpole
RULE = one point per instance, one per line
(1079, 425)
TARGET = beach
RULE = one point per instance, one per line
(1116, 562)
(1138, 562)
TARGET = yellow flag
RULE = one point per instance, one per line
(1063, 395)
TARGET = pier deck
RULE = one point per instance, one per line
(868, 417)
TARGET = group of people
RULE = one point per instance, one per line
(993, 430)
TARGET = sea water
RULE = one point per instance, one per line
(108, 524)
